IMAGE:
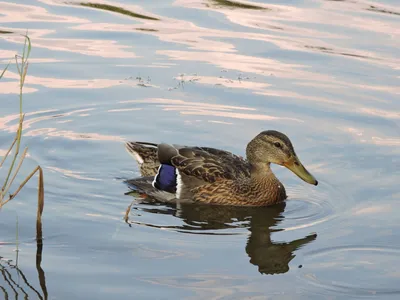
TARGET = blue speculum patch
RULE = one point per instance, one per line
(166, 179)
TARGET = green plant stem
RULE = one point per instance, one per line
(16, 171)
(5, 69)
(8, 151)
(14, 158)
(22, 75)
(40, 192)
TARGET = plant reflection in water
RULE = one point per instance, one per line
(15, 284)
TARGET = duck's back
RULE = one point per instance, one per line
(188, 167)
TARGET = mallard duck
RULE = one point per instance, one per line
(212, 176)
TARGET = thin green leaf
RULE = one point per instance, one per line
(9, 150)
(29, 46)
(17, 64)
(2, 73)
(23, 52)
(24, 74)
(40, 195)
(27, 49)
(21, 160)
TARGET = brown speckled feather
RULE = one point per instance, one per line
(210, 164)
(245, 192)
(146, 156)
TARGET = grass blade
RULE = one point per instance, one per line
(12, 196)
(2, 73)
(40, 202)
(21, 160)
(9, 150)
(29, 46)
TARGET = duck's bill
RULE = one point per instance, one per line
(297, 168)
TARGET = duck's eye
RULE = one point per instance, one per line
(278, 145)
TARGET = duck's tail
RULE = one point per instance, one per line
(146, 156)
(142, 152)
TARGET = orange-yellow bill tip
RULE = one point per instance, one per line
(297, 168)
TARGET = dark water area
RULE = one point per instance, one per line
(207, 73)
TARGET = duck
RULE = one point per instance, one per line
(205, 175)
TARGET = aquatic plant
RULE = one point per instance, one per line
(22, 67)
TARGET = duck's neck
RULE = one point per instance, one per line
(263, 179)
(261, 169)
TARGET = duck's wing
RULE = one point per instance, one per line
(204, 163)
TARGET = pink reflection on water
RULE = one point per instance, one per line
(58, 83)
(372, 210)
(4, 121)
(32, 118)
(12, 12)
(279, 24)
(70, 173)
(381, 113)
(10, 124)
(123, 109)
(13, 87)
(7, 55)
(207, 109)
(91, 47)
(200, 112)
(230, 83)
(370, 136)
(72, 135)
(290, 26)
(187, 104)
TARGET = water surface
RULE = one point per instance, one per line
(209, 73)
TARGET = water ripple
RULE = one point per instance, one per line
(308, 207)
(369, 270)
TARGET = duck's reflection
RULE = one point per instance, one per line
(270, 257)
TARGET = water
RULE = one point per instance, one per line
(210, 73)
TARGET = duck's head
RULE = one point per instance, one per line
(274, 147)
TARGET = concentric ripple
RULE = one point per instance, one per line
(307, 207)
(352, 270)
